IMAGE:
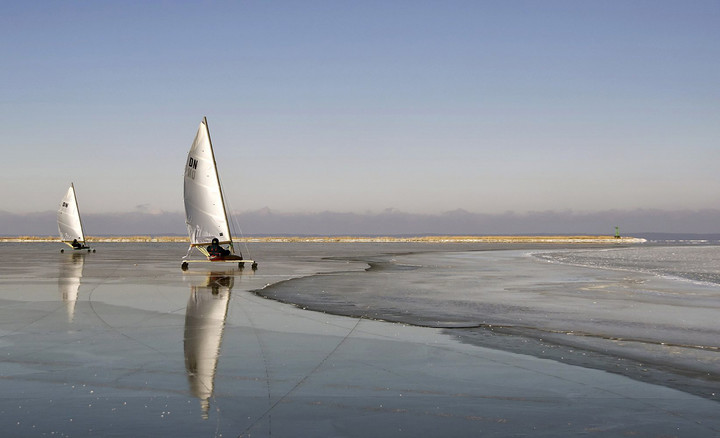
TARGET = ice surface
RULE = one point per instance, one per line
(122, 342)
(630, 321)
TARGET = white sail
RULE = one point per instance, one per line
(68, 218)
(204, 207)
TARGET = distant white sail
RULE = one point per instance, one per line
(68, 218)
(204, 208)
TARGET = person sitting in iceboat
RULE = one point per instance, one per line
(217, 252)
(75, 244)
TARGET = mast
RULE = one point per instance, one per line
(217, 176)
(77, 207)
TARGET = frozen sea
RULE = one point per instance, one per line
(361, 339)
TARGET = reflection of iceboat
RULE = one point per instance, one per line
(69, 281)
(204, 324)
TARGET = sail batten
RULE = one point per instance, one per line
(205, 215)
(68, 218)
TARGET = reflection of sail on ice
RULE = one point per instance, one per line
(204, 324)
(69, 281)
(68, 220)
(205, 214)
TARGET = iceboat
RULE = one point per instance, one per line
(69, 222)
(205, 214)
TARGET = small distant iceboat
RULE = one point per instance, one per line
(70, 224)
(205, 213)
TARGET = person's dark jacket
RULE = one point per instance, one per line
(217, 251)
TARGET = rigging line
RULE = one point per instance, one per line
(302, 381)
(244, 240)
(233, 220)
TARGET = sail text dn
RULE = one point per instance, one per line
(191, 167)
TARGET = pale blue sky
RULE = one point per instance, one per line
(421, 106)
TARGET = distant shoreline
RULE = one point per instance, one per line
(349, 239)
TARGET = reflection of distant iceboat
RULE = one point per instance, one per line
(69, 281)
(204, 324)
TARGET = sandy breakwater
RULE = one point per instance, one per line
(351, 239)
